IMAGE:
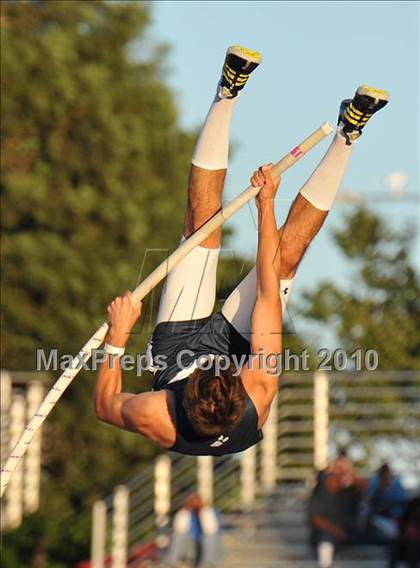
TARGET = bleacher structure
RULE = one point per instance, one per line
(262, 492)
(21, 395)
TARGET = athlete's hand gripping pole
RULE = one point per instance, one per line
(141, 291)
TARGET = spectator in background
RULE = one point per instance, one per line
(196, 535)
(343, 467)
(386, 498)
(333, 513)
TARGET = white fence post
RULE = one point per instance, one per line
(205, 478)
(248, 473)
(321, 419)
(269, 449)
(98, 540)
(14, 508)
(5, 402)
(162, 498)
(120, 527)
(32, 463)
(162, 489)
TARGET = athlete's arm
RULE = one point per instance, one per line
(266, 320)
(108, 398)
(147, 413)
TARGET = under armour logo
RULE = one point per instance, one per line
(285, 291)
(220, 441)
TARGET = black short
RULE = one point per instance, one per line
(182, 342)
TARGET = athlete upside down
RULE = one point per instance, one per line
(213, 411)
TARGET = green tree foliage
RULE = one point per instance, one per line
(380, 309)
(93, 171)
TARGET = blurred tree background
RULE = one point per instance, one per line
(93, 164)
(94, 169)
(380, 309)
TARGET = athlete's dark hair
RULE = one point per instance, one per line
(214, 400)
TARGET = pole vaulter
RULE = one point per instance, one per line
(267, 280)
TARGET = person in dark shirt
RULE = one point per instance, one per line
(333, 510)
(386, 499)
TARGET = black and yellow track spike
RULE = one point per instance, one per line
(355, 113)
(239, 63)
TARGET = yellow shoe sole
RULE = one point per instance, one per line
(245, 53)
(372, 92)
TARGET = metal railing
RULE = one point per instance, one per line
(140, 510)
(310, 411)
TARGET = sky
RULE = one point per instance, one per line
(314, 55)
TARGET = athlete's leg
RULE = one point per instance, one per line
(317, 196)
(190, 288)
(302, 224)
(310, 208)
(210, 157)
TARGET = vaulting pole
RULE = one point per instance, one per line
(142, 290)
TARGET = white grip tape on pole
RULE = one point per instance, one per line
(143, 289)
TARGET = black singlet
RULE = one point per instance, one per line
(213, 335)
